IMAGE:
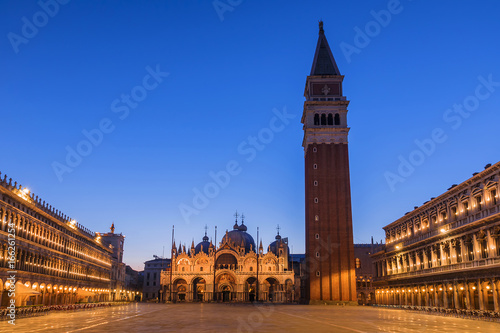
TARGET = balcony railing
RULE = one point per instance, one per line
(480, 263)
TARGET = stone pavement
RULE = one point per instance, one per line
(142, 317)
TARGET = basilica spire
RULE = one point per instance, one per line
(323, 63)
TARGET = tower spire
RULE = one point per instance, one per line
(324, 62)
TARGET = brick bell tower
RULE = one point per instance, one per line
(329, 239)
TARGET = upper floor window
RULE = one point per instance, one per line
(454, 211)
(316, 119)
(493, 194)
(323, 119)
(479, 202)
(337, 119)
(466, 208)
(443, 216)
(358, 263)
(330, 119)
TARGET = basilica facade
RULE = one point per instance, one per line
(235, 270)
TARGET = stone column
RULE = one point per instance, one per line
(462, 250)
(455, 295)
(445, 296)
(495, 295)
(442, 255)
(453, 251)
(475, 247)
(480, 294)
(490, 241)
(467, 295)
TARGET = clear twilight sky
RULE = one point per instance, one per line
(429, 71)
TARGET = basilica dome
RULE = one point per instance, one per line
(239, 236)
(202, 246)
(274, 246)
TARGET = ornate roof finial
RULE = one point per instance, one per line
(278, 229)
(236, 221)
(112, 228)
(242, 218)
(205, 238)
(321, 31)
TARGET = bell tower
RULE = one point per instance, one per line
(329, 238)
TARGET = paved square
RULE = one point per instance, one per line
(245, 318)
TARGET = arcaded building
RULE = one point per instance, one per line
(234, 271)
(446, 253)
(329, 262)
(48, 258)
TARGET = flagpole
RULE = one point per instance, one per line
(171, 263)
(258, 254)
(215, 260)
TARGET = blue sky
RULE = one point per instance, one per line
(228, 69)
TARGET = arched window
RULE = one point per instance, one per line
(316, 119)
(330, 119)
(323, 119)
(358, 263)
(337, 119)
(251, 269)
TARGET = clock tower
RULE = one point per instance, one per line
(329, 238)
